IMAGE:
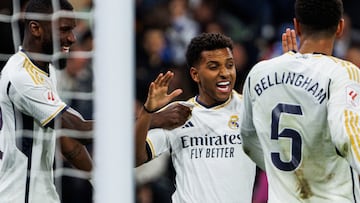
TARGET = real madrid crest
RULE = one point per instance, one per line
(234, 122)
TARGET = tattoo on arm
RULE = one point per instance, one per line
(70, 155)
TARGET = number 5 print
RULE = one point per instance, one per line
(292, 134)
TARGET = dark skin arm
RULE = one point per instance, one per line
(76, 153)
(73, 149)
(73, 120)
(172, 117)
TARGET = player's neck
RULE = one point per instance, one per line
(43, 65)
(324, 46)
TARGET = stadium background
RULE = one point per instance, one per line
(162, 30)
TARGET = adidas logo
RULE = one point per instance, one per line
(188, 125)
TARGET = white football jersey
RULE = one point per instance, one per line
(302, 110)
(207, 155)
(28, 102)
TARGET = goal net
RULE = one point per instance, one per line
(97, 82)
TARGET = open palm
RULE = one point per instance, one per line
(158, 95)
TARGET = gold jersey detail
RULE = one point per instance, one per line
(352, 129)
(36, 74)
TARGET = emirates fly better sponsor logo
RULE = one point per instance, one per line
(214, 145)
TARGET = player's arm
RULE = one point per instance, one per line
(171, 117)
(157, 98)
(250, 141)
(73, 149)
(288, 40)
(252, 148)
(71, 119)
(343, 110)
(76, 153)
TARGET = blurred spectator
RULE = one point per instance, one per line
(182, 29)
(342, 44)
(152, 57)
(7, 47)
(353, 53)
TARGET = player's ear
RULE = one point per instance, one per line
(297, 27)
(194, 74)
(340, 28)
(34, 27)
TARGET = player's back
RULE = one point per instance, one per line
(290, 97)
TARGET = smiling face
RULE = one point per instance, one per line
(65, 35)
(215, 75)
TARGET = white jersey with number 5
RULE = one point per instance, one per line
(301, 119)
(207, 154)
(28, 104)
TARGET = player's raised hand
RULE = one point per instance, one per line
(158, 95)
(289, 40)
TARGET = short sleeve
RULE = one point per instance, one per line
(157, 141)
(37, 99)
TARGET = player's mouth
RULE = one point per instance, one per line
(65, 49)
(224, 86)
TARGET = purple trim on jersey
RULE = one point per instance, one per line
(209, 106)
(148, 152)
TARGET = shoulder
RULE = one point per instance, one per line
(342, 69)
(14, 69)
(266, 64)
(237, 96)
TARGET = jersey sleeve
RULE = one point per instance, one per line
(157, 142)
(40, 100)
(344, 116)
(251, 143)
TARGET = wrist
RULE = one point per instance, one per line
(148, 111)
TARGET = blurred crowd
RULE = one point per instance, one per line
(163, 29)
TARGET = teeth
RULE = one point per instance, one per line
(65, 49)
(223, 83)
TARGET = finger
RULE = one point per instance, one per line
(285, 47)
(158, 78)
(288, 39)
(175, 93)
(293, 39)
(151, 89)
(167, 78)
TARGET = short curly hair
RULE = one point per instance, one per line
(44, 7)
(319, 15)
(206, 42)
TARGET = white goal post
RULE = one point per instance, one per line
(114, 101)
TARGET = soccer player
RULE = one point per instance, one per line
(300, 116)
(207, 150)
(29, 109)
